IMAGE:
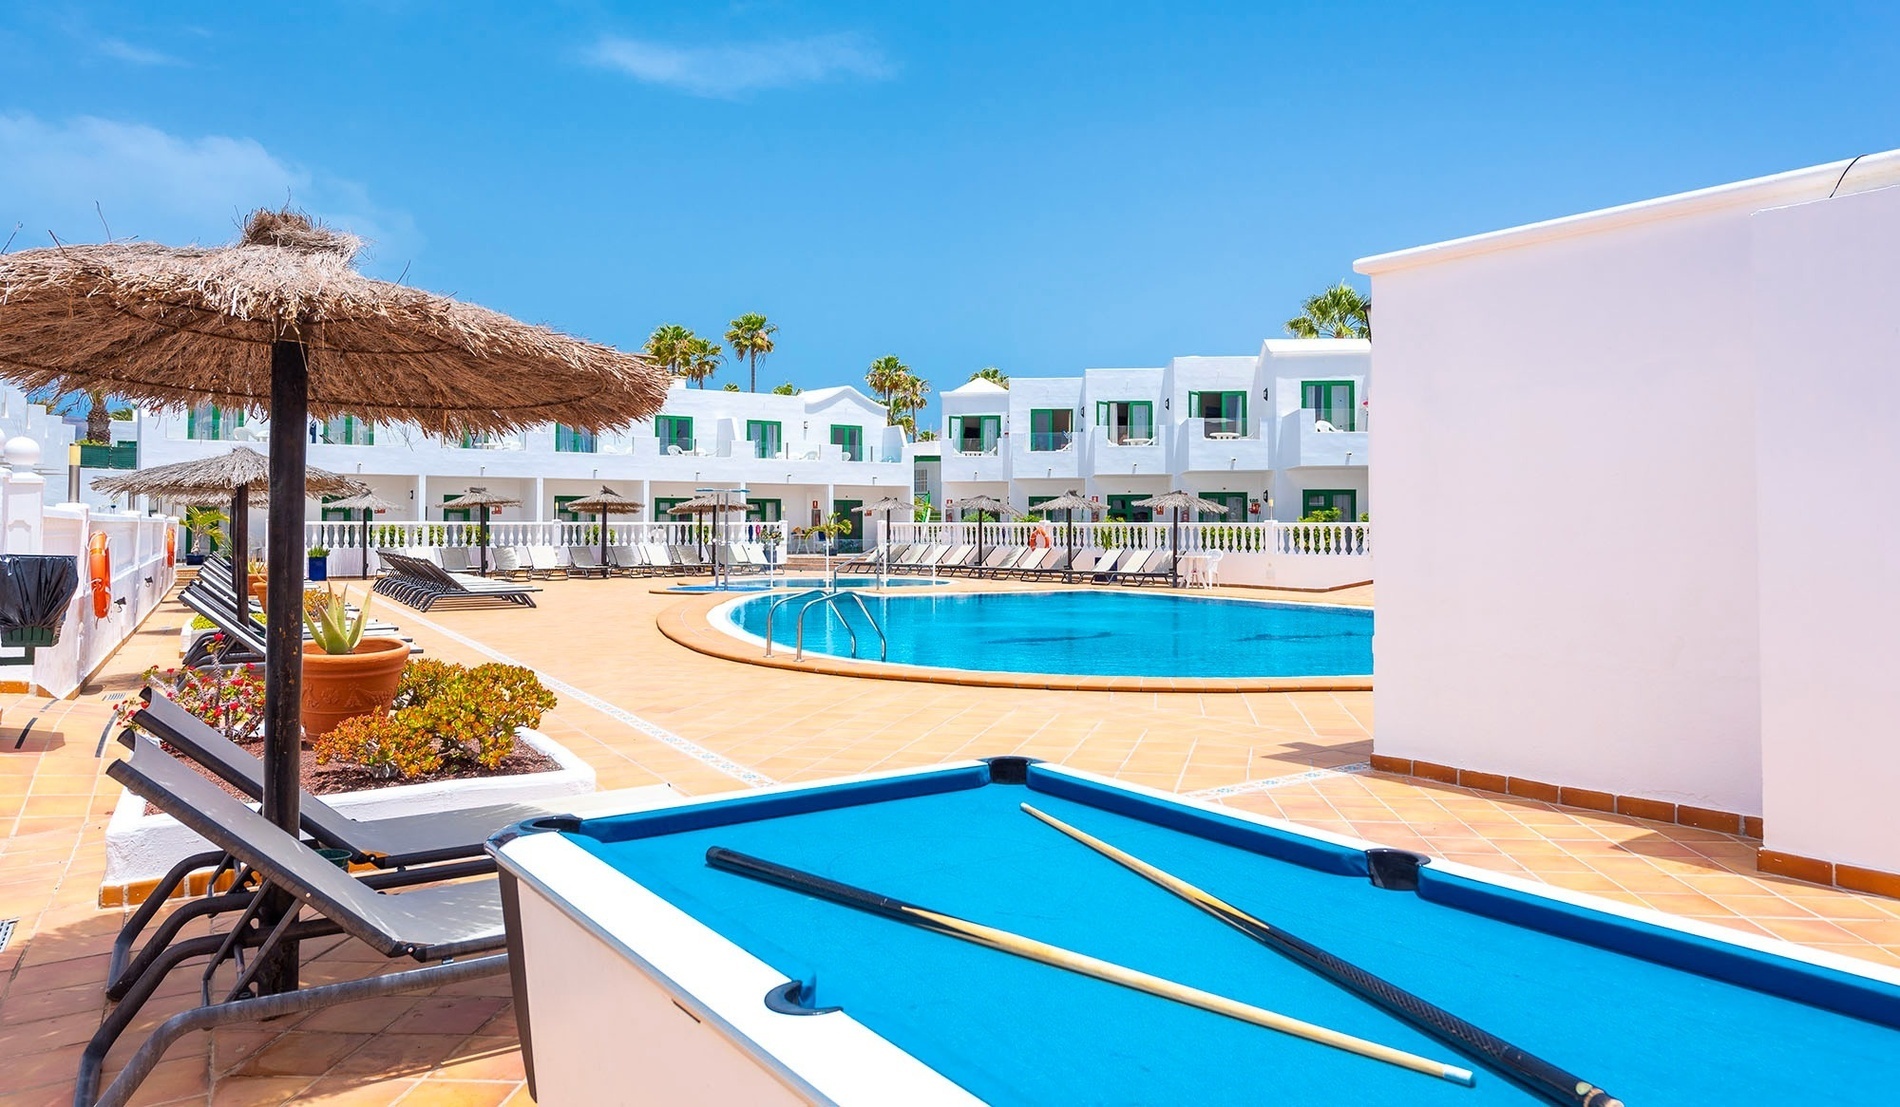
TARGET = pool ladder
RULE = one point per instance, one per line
(819, 597)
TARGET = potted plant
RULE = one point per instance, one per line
(206, 525)
(320, 562)
(344, 673)
(770, 539)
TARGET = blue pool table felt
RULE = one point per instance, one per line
(1016, 1032)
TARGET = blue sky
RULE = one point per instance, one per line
(1044, 187)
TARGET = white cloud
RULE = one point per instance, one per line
(162, 187)
(729, 70)
(137, 55)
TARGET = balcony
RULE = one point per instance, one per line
(1049, 455)
(960, 466)
(1325, 442)
(1221, 445)
(119, 455)
(1118, 453)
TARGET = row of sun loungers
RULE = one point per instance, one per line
(441, 916)
(1025, 563)
(212, 594)
(422, 584)
(525, 563)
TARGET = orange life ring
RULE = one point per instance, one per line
(99, 568)
(171, 547)
(1041, 539)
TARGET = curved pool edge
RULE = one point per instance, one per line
(689, 624)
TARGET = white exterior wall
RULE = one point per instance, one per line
(1829, 539)
(1604, 631)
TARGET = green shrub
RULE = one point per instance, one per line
(447, 717)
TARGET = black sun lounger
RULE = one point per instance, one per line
(423, 584)
(430, 924)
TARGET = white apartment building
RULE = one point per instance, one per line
(1274, 436)
(823, 451)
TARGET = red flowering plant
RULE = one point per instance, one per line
(230, 698)
(447, 718)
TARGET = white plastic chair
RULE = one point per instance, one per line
(1210, 567)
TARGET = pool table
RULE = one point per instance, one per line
(644, 975)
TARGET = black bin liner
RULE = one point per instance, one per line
(34, 592)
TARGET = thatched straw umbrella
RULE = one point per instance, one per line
(482, 500)
(980, 504)
(1179, 501)
(602, 504)
(886, 505)
(280, 322)
(1068, 504)
(242, 475)
(369, 503)
(717, 502)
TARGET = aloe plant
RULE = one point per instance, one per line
(329, 621)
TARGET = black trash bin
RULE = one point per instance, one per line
(35, 590)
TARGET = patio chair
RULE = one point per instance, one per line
(919, 556)
(627, 561)
(953, 558)
(1029, 564)
(423, 585)
(436, 923)
(455, 559)
(999, 562)
(584, 561)
(1105, 564)
(544, 563)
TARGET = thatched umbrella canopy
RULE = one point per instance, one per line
(242, 476)
(886, 505)
(714, 504)
(481, 500)
(1178, 501)
(279, 321)
(980, 504)
(369, 503)
(1068, 504)
(603, 503)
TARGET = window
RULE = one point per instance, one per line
(567, 440)
(474, 441)
(767, 438)
(764, 510)
(976, 434)
(1234, 502)
(920, 482)
(346, 430)
(566, 514)
(1345, 501)
(1331, 402)
(1224, 412)
(207, 423)
(1122, 509)
(663, 509)
(851, 438)
(338, 515)
(457, 514)
(1127, 422)
(675, 433)
(854, 540)
(1051, 429)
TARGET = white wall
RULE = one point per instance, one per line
(1829, 537)
(1599, 632)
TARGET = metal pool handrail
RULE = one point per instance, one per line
(780, 602)
(883, 643)
(831, 601)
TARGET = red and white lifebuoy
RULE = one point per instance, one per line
(1040, 537)
(99, 569)
(171, 547)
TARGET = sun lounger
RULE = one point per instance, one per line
(423, 585)
(1105, 564)
(1030, 563)
(544, 563)
(584, 561)
(455, 559)
(628, 561)
(953, 558)
(243, 637)
(436, 923)
(915, 557)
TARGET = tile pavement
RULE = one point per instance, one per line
(652, 711)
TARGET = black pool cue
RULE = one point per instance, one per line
(1003, 941)
(1532, 1072)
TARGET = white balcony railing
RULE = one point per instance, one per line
(349, 536)
(1290, 539)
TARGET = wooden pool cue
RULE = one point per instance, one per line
(1006, 942)
(1528, 1070)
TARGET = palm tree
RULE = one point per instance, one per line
(787, 389)
(885, 376)
(98, 419)
(1338, 312)
(702, 358)
(992, 374)
(908, 397)
(750, 337)
(667, 347)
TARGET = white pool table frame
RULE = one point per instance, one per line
(629, 1000)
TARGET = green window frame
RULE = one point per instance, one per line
(337, 515)
(1234, 502)
(766, 435)
(456, 514)
(988, 428)
(565, 514)
(674, 430)
(663, 506)
(764, 509)
(1122, 509)
(1051, 429)
(853, 539)
(210, 423)
(1343, 500)
(1333, 401)
(851, 437)
(1225, 412)
(1122, 420)
(347, 430)
(569, 440)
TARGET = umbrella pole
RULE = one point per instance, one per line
(1068, 531)
(283, 655)
(368, 514)
(1174, 551)
(604, 571)
(481, 537)
(240, 532)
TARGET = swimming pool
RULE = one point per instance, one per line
(765, 584)
(1086, 633)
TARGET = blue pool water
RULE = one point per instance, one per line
(1652, 1031)
(765, 584)
(1091, 633)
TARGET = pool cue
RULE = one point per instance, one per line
(1004, 941)
(1534, 1073)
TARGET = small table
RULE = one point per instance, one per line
(1223, 435)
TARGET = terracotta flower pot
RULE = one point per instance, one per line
(259, 586)
(344, 685)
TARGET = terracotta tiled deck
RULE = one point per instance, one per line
(641, 710)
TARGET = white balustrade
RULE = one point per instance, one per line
(1302, 539)
(335, 535)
